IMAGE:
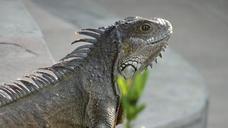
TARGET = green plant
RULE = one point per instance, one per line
(131, 90)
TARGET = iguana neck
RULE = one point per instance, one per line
(99, 66)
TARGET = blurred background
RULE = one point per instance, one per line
(200, 34)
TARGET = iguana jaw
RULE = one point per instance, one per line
(139, 63)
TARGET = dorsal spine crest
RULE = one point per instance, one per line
(48, 76)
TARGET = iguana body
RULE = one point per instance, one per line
(80, 91)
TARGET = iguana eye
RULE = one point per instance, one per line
(145, 27)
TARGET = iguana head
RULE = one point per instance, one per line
(140, 42)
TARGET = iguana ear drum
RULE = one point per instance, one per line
(128, 71)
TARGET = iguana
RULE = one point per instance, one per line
(80, 90)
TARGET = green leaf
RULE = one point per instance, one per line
(131, 90)
(131, 112)
(140, 108)
(122, 84)
(140, 82)
(135, 90)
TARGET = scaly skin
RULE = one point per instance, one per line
(80, 91)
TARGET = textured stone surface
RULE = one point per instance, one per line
(57, 32)
(16, 21)
(21, 44)
(176, 96)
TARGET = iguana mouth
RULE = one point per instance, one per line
(165, 34)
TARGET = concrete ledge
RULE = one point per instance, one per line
(21, 44)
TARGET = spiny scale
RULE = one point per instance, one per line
(94, 30)
(160, 55)
(156, 60)
(85, 40)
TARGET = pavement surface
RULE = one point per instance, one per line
(22, 48)
(200, 35)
